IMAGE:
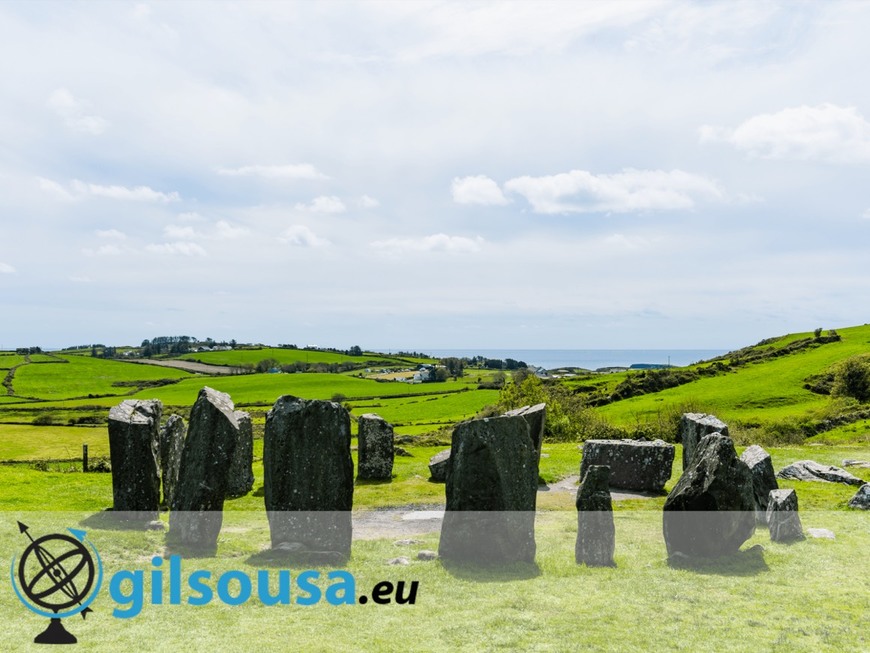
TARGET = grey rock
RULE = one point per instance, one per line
(634, 464)
(782, 516)
(491, 491)
(821, 534)
(308, 474)
(427, 555)
(860, 464)
(171, 444)
(375, 448)
(134, 448)
(536, 417)
(596, 534)
(763, 478)
(197, 505)
(810, 470)
(711, 510)
(693, 427)
(241, 474)
(407, 542)
(401, 561)
(438, 466)
(399, 451)
(861, 500)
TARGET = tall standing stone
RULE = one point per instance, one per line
(763, 478)
(596, 533)
(536, 417)
(241, 474)
(309, 476)
(693, 427)
(134, 445)
(171, 444)
(782, 516)
(375, 449)
(198, 502)
(711, 510)
(492, 482)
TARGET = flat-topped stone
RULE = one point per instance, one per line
(810, 470)
(375, 452)
(634, 464)
(782, 516)
(134, 449)
(693, 427)
(438, 466)
(763, 478)
(241, 472)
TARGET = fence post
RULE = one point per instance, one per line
(84, 458)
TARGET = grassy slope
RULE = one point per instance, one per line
(287, 356)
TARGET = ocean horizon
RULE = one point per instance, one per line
(590, 359)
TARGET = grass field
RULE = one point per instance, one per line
(239, 357)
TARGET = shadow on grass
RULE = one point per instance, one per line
(492, 573)
(282, 558)
(743, 563)
(367, 481)
(109, 520)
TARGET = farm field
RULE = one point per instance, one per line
(239, 357)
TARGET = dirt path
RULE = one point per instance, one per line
(190, 366)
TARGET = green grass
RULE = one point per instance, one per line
(238, 357)
(8, 361)
(448, 408)
(18, 442)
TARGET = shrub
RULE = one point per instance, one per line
(852, 379)
(44, 419)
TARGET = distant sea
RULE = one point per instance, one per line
(589, 359)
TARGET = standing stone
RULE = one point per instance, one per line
(810, 470)
(634, 464)
(375, 448)
(241, 474)
(536, 417)
(596, 534)
(782, 516)
(693, 427)
(171, 443)
(438, 466)
(309, 476)
(198, 502)
(861, 500)
(134, 445)
(711, 510)
(491, 490)
(763, 478)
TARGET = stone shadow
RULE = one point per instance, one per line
(112, 520)
(750, 562)
(480, 573)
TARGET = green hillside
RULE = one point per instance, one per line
(284, 356)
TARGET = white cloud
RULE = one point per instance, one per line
(290, 171)
(111, 234)
(74, 113)
(53, 188)
(174, 232)
(299, 235)
(135, 194)
(323, 204)
(433, 243)
(177, 248)
(477, 190)
(631, 190)
(5, 268)
(827, 133)
(191, 216)
(80, 279)
(103, 250)
(226, 231)
(366, 202)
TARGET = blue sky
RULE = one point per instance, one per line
(412, 175)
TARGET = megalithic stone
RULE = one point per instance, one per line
(536, 417)
(763, 478)
(596, 533)
(308, 474)
(783, 518)
(198, 501)
(693, 427)
(438, 466)
(492, 483)
(171, 444)
(241, 475)
(634, 464)
(375, 449)
(134, 445)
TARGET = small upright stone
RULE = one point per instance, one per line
(308, 474)
(782, 516)
(134, 448)
(861, 500)
(171, 443)
(536, 417)
(241, 474)
(198, 501)
(375, 448)
(693, 427)
(438, 466)
(763, 478)
(596, 534)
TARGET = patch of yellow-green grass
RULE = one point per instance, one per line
(19, 442)
(239, 357)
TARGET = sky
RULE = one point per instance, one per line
(433, 174)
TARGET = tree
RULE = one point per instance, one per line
(455, 366)
(852, 379)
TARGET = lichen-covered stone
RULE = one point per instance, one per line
(810, 470)
(536, 417)
(634, 464)
(763, 478)
(693, 427)
(861, 500)
(308, 474)
(782, 516)
(491, 491)
(438, 466)
(375, 451)
(711, 510)
(134, 449)
(198, 501)
(171, 444)
(596, 534)
(241, 473)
